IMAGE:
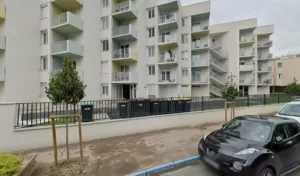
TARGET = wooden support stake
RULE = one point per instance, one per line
(80, 138)
(233, 110)
(67, 140)
(54, 142)
(225, 106)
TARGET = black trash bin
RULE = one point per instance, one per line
(178, 105)
(87, 111)
(186, 106)
(139, 108)
(164, 107)
(154, 107)
(123, 109)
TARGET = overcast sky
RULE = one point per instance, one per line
(284, 14)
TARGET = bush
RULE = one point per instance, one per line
(9, 164)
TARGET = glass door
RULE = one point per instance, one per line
(124, 51)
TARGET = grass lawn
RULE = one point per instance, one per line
(58, 121)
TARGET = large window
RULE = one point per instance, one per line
(44, 37)
(151, 51)
(184, 21)
(151, 32)
(44, 63)
(105, 46)
(151, 13)
(104, 23)
(151, 70)
(104, 3)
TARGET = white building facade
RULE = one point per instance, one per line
(129, 49)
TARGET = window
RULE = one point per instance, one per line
(185, 55)
(279, 75)
(44, 37)
(44, 63)
(74, 64)
(184, 72)
(105, 90)
(43, 86)
(105, 45)
(151, 51)
(151, 69)
(280, 132)
(279, 65)
(151, 13)
(104, 23)
(293, 129)
(104, 3)
(44, 11)
(184, 38)
(151, 32)
(184, 21)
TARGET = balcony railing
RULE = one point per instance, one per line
(167, 78)
(199, 79)
(247, 67)
(199, 62)
(59, 19)
(67, 47)
(265, 56)
(122, 53)
(167, 18)
(246, 39)
(244, 54)
(265, 44)
(121, 7)
(246, 81)
(265, 68)
(124, 77)
(67, 23)
(198, 28)
(59, 47)
(265, 82)
(121, 30)
(199, 44)
(168, 58)
(163, 39)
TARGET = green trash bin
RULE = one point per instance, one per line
(87, 111)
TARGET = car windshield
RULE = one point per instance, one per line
(291, 110)
(249, 130)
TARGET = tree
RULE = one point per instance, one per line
(230, 91)
(293, 88)
(65, 86)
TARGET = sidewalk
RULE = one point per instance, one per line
(124, 155)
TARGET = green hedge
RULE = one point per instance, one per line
(9, 164)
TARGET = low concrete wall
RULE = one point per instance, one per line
(36, 137)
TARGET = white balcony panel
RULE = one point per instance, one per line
(67, 23)
(124, 77)
(124, 11)
(124, 33)
(67, 48)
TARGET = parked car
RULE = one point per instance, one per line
(290, 110)
(253, 146)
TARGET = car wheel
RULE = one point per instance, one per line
(265, 172)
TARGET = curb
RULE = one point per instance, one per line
(167, 166)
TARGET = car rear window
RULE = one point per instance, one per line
(291, 110)
(293, 129)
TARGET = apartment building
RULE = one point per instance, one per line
(286, 70)
(128, 49)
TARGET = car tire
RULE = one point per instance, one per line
(265, 171)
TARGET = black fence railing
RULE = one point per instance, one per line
(37, 114)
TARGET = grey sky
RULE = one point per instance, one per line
(284, 14)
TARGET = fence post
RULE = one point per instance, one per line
(202, 103)
(265, 100)
(278, 98)
(248, 102)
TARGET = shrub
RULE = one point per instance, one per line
(9, 164)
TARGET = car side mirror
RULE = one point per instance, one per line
(278, 140)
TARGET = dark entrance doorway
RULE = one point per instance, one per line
(126, 91)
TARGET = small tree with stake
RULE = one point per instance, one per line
(65, 87)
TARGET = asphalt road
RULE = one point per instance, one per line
(200, 169)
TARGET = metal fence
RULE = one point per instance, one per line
(37, 114)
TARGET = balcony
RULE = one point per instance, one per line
(246, 82)
(167, 41)
(197, 62)
(264, 57)
(247, 40)
(67, 23)
(247, 55)
(247, 68)
(67, 48)
(80, 73)
(124, 11)
(2, 11)
(124, 33)
(217, 52)
(267, 44)
(168, 59)
(127, 54)
(199, 80)
(217, 65)
(124, 78)
(2, 74)
(264, 69)
(264, 82)
(167, 5)
(167, 79)
(68, 4)
(200, 30)
(2, 42)
(216, 78)
(168, 21)
(200, 45)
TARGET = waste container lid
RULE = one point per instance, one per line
(86, 103)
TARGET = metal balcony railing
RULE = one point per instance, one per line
(247, 67)
(199, 79)
(167, 39)
(198, 44)
(59, 19)
(167, 18)
(167, 78)
(121, 30)
(252, 53)
(61, 46)
(265, 68)
(265, 44)
(198, 28)
(124, 77)
(168, 58)
(245, 39)
(122, 53)
(265, 82)
(265, 56)
(199, 62)
(246, 81)
(121, 7)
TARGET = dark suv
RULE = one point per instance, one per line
(253, 146)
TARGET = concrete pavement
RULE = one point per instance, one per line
(199, 169)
